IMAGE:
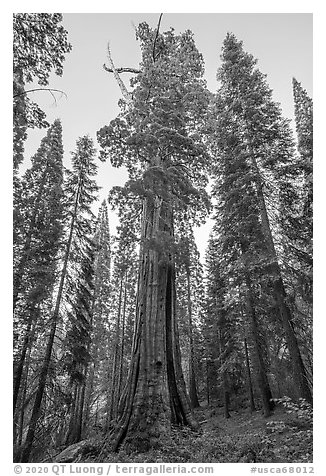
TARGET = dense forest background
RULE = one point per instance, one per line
(130, 346)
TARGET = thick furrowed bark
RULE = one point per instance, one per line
(155, 393)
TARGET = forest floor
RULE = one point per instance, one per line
(243, 438)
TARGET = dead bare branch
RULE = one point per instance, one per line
(125, 93)
(50, 90)
(156, 36)
(122, 70)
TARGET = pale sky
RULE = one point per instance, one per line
(281, 42)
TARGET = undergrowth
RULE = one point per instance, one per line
(285, 437)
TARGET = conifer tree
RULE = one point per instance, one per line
(156, 138)
(124, 267)
(300, 244)
(296, 224)
(101, 308)
(37, 234)
(221, 324)
(124, 273)
(303, 109)
(251, 132)
(77, 341)
(80, 194)
(40, 193)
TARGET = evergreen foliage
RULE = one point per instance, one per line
(131, 343)
(38, 231)
(39, 46)
(254, 154)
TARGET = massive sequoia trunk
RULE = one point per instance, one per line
(155, 392)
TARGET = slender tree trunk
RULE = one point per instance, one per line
(263, 384)
(48, 351)
(90, 369)
(88, 394)
(122, 341)
(299, 371)
(250, 389)
(72, 419)
(114, 381)
(19, 366)
(76, 414)
(155, 393)
(81, 408)
(207, 383)
(109, 389)
(194, 401)
(20, 415)
(26, 347)
(222, 349)
(96, 414)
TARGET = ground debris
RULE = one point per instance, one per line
(77, 451)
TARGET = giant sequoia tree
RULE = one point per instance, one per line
(156, 138)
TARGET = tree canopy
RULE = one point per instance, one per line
(128, 343)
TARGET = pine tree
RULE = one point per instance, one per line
(80, 194)
(40, 197)
(221, 324)
(300, 245)
(124, 256)
(253, 134)
(296, 222)
(156, 137)
(37, 234)
(77, 342)
(101, 309)
(303, 109)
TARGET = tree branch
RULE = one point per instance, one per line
(125, 93)
(156, 36)
(121, 70)
(51, 90)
